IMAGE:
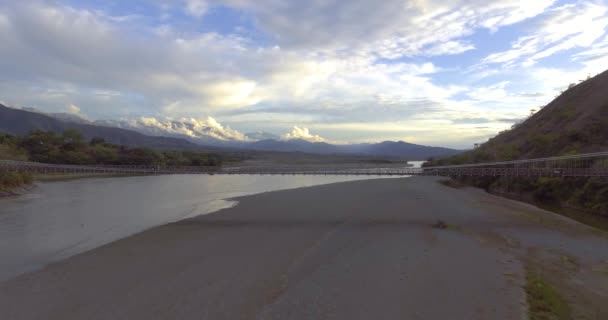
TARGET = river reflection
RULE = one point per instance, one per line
(65, 218)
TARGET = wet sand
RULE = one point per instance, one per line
(355, 250)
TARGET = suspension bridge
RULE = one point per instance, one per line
(581, 165)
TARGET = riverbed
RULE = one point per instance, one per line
(353, 250)
(60, 219)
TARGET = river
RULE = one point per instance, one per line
(61, 219)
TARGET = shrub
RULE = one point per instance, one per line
(11, 180)
(548, 189)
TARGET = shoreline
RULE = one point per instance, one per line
(328, 250)
(17, 192)
(26, 189)
(59, 229)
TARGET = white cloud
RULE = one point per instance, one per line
(325, 62)
(449, 48)
(73, 109)
(302, 133)
(190, 127)
(392, 29)
(597, 50)
(494, 93)
(563, 28)
(197, 8)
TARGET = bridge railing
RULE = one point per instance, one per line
(584, 165)
(581, 165)
(34, 167)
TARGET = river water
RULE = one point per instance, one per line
(61, 219)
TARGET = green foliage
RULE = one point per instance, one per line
(548, 189)
(71, 148)
(12, 180)
(517, 186)
(566, 114)
(544, 302)
(586, 194)
(41, 146)
(139, 156)
(9, 150)
(481, 182)
(507, 152)
(103, 154)
(542, 143)
(570, 125)
(97, 141)
(593, 196)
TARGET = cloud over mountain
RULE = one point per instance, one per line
(352, 70)
(202, 130)
(300, 133)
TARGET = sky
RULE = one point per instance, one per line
(444, 73)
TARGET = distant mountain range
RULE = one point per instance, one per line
(397, 149)
(21, 122)
(197, 134)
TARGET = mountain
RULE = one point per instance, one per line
(21, 122)
(158, 132)
(68, 117)
(295, 145)
(575, 122)
(261, 135)
(398, 149)
(200, 131)
(404, 149)
(196, 133)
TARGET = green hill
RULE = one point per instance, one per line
(575, 122)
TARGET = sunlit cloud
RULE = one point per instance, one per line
(347, 71)
(301, 133)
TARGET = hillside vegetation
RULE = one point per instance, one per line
(22, 122)
(575, 122)
(71, 148)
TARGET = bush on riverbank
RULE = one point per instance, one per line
(13, 180)
(585, 194)
(544, 301)
(10, 150)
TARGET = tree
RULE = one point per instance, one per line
(72, 136)
(139, 156)
(96, 140)
(41, 146)
(72, 140)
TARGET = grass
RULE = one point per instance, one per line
(544, 302)
(452, 183)
(14, 180)
(586, 218)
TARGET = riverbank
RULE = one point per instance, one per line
(27, 185)
(564, 208)
(55, 177)
(16, 191)
(355, 250)
(13, 184)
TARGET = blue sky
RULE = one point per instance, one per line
(449, 73)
